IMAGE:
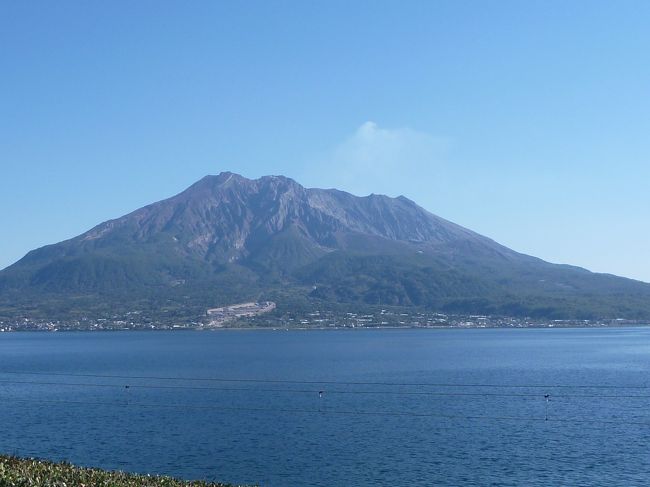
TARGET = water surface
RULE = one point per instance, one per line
(407, 407)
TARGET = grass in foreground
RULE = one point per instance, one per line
(18, 472)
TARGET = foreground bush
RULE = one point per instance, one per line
(17, 472)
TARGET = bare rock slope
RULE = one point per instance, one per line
(228, 238)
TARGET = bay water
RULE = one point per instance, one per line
(336, 408)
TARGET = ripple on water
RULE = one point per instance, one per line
(275, 447)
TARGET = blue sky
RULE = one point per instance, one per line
(525, 121)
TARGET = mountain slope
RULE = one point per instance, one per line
(227, 238)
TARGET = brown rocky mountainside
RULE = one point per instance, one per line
(228, 238)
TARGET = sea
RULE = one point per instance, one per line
(407, 407)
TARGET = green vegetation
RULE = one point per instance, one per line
(344, 281)
(217, 244)
(17, 472)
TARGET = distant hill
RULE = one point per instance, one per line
(229, 239)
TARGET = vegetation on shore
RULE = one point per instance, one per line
(18, 472)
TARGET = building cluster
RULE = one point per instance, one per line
(385, 318)
(261, 315)
(219, 316)
(88, 324)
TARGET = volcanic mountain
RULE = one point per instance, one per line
(228, 238)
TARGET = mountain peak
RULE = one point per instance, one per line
(228, 177)
(230, 238)
(221, 178)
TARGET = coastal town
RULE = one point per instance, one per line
(266, 315)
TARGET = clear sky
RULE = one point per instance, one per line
(526, 121)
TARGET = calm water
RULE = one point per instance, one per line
(273, 434)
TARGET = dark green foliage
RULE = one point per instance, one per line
(387, 279)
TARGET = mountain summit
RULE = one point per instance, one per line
(227, 238)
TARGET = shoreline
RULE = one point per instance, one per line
(333, 328)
